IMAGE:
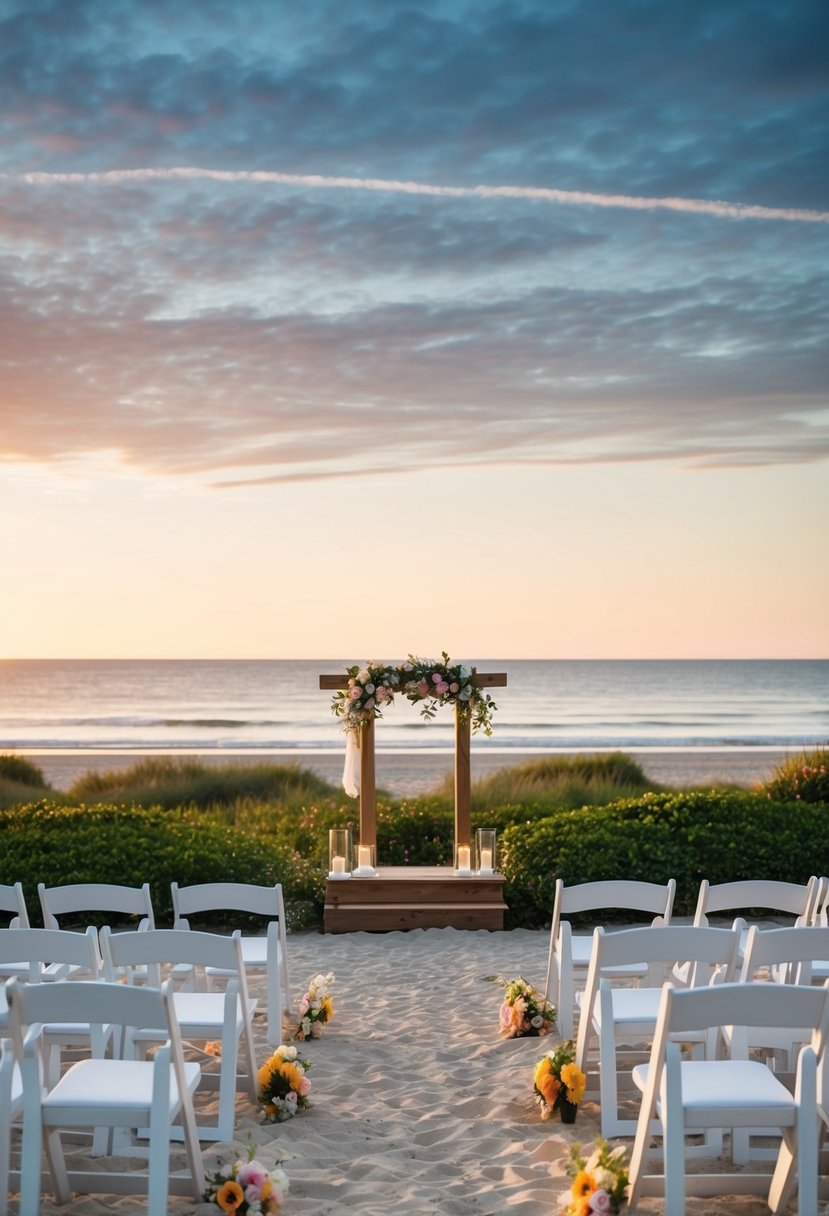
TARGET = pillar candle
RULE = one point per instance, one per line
(338, 865)
(364, 857)
(463, 857)
(486, 859)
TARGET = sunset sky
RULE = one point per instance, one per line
(367, 327)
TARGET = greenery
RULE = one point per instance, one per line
(163, 820)
(722, 835)
(46, 842)
(803, 778)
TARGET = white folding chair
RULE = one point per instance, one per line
(224, 1016)
(11, 1108)
(12, 900)
(94, 1092)
(691, 1096)
(627, 1015)
(795, 899)
(569, 954)
(76, 899)
(268, 953)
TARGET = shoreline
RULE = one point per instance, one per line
(409, 774)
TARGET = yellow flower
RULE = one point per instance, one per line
(541, 1068)
(230, 1196)
(326, 1009)
(584, 1184)
(265, 1189)
(575, 1081)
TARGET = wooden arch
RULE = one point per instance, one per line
(463, 762)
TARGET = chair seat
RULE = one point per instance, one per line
(723, 1089)
(254, 954)
(205, 1011)
(105, 1091)
(632, 1007)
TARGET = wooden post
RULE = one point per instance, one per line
(368, 786)
(463, 780)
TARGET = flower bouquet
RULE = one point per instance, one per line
(283, 1085)
(316, 1007)
(248, 1187)
(600, 1181)
(525, 1013)
(559, 1083)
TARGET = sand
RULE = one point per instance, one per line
(405, 775)
(418, 1106)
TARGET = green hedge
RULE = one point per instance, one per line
(721, 835)
(45, 842)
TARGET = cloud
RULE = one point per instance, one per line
(312, 181)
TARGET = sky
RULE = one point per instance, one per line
(375, 328)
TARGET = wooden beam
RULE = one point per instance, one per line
(481, 679)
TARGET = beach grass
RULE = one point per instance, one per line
(560, 782)
(167, 782)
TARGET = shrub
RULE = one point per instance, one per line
(721, 835)
(803, 778)
(45, 842)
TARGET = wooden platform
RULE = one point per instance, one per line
(414, 897)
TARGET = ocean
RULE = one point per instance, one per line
(249, 706)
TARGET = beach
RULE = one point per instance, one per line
(407, 774)
(418, 1106)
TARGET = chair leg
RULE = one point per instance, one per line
(673, 1124)
(275, 1008)
(159, 1149)
(797, 1160)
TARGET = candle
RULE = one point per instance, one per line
(364, 857)
(486, 861)
(338, 865)
(464, 862)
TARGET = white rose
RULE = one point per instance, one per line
(363, 676)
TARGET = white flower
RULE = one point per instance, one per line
(617, 1153)
(465, 672)
(288, 1053)
(537, 1021)
(592, 1163)
(363, 676)
(369, 688)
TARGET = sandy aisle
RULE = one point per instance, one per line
(405, 775)
(418, 1106)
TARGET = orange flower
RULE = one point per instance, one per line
(230, 1196)
(580, 1207)
(549, 1088)
(584, 1185)
(292, 1074)
(213, 1047)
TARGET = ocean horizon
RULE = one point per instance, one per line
(276, 705)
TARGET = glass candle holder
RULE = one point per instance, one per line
(366, 856)
(463, 859)
(485, 851)
(340, 853)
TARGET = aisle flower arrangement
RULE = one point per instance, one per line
(316, 1009)
(283, 1085)
(559, 1083)
(248, 1187)
(524, 1013)
(600, 1181)
(428, 682)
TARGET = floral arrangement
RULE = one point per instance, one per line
(249, 1187)
(283, 1085)
(316, 1007)
(525, 1013)
(558, 1079)
(600, 1181)
(371, 688)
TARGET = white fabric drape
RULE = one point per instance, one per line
(351, 770)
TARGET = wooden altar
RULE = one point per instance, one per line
(416, 897)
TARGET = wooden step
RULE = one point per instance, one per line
(414, 897)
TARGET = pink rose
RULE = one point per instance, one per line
(454, 687)
(304, 1087)
(437, 678)
(442, 688)
(252, 1174)
(382, 693)
(599, 1201)
(505, 1016)
(355, 693)
(423, 688)
(304, 1006)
